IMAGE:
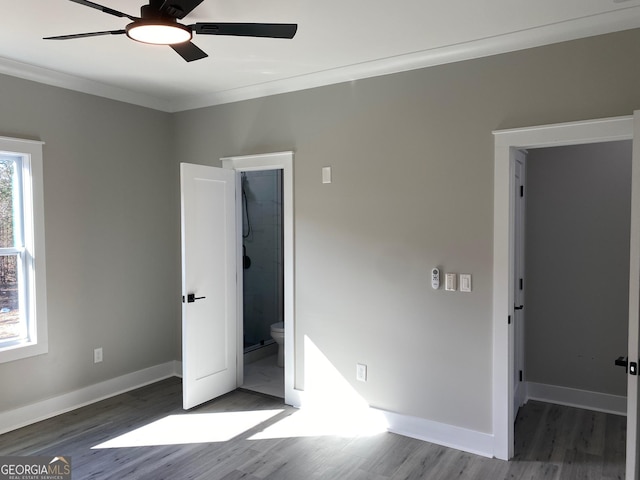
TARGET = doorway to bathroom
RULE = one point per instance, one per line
(261, 350)
(262, 281)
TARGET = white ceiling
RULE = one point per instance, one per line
(337, 41)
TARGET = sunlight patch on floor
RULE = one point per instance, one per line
(191, 428)
(331, 405)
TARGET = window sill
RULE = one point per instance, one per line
(22, 350)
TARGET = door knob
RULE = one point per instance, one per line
(629, 367)
(622, 362)
(191, 297)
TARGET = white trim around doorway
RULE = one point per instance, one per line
(277, 161)
(506, 143)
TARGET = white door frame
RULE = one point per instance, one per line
(272, 161)
(506, 143)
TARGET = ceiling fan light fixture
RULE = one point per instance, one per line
(159, 33)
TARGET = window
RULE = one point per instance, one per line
(23, 318)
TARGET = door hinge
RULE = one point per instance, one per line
(522, 190)
(521, 284)
(520, 375)
(509, 320)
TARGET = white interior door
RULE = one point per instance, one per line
(633, 393)
(519, 393)
(209, 289)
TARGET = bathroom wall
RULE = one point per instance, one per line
(263, 296)
(578, 205)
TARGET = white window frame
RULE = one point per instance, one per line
(34, 265)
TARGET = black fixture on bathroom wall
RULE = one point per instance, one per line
(246, 260)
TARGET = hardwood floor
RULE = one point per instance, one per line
(552, 442)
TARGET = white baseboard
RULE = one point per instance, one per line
(443, 434)
(22, 416)
(439, 433)
(599, 402)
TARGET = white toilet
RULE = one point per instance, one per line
(277, 333)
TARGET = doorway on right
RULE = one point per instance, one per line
(575, 312)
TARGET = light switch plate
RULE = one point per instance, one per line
(465, 282)
(326, 174)
(450, 282)
(361, 372)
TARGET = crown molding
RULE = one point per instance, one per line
(609, 22)
(70, 82)
(618, 20)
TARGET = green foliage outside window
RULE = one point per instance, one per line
(9, 300)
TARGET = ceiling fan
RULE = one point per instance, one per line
(158, 25)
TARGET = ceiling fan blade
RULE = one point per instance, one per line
(104, 9)
(188, 51)
(179, 8)
(271, 30)
(84, 35)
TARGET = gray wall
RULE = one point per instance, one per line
(112, 238)
(412, 156)
(577, 265)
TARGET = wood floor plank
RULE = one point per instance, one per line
(615, 445)
(556, 435)
(552, 443)
(528, 430)
(591, 434)
(579, 465)
(264, 464)
(342, 465)
(238, 475)
(392, 452)
(424, 462)
(532, 471)
(480, 468)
